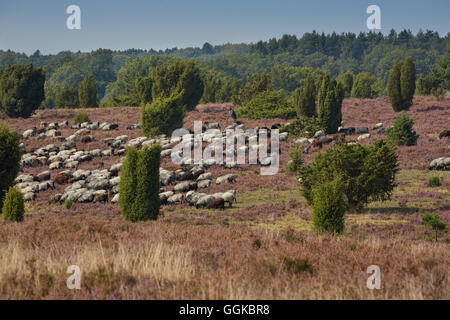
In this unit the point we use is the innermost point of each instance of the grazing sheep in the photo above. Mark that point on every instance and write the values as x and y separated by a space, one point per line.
176 199
218 203
204 201
192 197
205 176
182 187
164 196
229 196
203 184
189 196
230 178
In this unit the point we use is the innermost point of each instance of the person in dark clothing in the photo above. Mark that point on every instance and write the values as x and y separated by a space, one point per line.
233 114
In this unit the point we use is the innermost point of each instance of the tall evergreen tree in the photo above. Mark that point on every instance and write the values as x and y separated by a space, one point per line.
408 82
139 184
402 84
305 100
329 104
394 87
87 93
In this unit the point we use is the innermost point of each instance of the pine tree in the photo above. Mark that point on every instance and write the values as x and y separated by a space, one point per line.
139 184
305 100
408 82
394 87
87 93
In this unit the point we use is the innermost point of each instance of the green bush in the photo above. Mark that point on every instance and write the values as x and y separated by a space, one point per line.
328 207
434 182
13 206
434 222
268 104
68 204
10 155
87 93
21 89
401 132
81 117
302 127
162 116
139 184
367 173
296 160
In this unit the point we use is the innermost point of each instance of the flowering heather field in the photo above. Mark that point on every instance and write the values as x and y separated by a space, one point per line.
261 248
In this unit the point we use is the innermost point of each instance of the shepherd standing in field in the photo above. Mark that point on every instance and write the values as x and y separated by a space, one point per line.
233 114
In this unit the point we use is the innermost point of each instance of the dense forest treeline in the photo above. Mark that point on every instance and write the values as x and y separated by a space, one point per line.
287 61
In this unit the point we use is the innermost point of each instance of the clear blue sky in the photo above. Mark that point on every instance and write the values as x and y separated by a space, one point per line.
41 24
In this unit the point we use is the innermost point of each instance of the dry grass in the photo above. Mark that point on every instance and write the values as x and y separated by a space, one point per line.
167 260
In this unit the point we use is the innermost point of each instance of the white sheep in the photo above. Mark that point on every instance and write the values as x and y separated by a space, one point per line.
226 178
164 196
229 196
176 199
192 197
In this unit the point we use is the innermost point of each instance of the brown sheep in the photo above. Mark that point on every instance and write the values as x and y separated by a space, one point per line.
217 203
